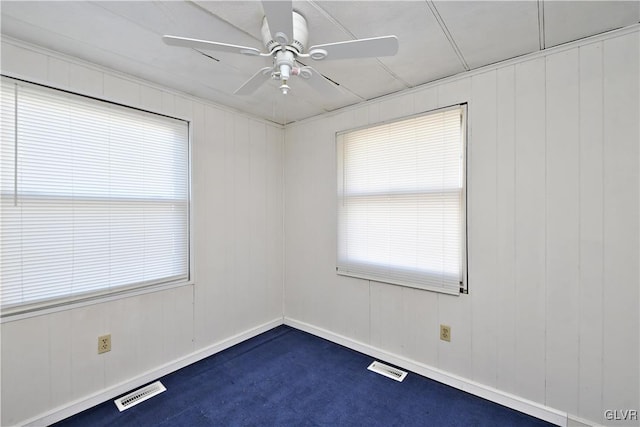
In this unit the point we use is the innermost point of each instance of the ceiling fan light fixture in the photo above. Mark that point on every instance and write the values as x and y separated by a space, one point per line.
305 72
318 54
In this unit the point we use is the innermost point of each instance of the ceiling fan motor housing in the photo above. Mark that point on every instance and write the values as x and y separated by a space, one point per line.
300 35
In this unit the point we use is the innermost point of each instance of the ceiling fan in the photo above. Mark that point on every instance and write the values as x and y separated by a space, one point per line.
285 34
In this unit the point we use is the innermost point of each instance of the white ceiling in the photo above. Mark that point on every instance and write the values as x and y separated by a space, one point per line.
437 39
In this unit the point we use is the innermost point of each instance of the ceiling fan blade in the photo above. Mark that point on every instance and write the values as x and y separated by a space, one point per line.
254 82
280 19
317 81
208 45
360 48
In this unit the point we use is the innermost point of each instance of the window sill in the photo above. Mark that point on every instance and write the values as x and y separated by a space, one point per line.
18 313
446 291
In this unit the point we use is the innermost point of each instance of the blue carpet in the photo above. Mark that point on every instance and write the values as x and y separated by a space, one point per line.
286 377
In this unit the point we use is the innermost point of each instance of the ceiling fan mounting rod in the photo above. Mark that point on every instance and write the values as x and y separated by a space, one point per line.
297 41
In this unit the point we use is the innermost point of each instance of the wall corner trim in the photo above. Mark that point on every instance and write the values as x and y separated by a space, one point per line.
494 395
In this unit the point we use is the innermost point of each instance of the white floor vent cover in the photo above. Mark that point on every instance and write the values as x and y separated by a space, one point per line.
140 395
387 371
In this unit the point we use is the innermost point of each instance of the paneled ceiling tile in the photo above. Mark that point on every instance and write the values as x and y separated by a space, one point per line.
491 31
365 78
154 16
269 103
244 15
424 54
191 20
81 21
132 49
565 21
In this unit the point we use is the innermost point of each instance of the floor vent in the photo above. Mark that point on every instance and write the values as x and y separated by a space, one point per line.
140 395
387 371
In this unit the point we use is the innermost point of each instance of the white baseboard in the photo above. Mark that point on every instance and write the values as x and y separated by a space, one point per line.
494 395
112 392
506 399
574 421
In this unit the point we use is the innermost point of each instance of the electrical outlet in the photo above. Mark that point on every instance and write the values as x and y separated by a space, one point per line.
104 343
445 333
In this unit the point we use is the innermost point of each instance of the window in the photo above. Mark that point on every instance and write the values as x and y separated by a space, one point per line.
401 202
94 198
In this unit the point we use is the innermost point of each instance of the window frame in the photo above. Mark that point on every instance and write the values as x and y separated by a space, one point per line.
464 226
41 307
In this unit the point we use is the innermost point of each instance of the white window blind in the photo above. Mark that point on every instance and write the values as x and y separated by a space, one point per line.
401 201
94 198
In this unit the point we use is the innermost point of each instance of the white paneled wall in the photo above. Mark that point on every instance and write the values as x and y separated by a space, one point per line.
51 361
620 221
553 205
591 206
